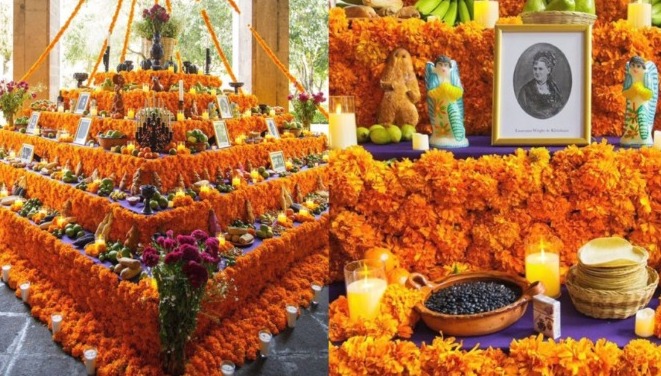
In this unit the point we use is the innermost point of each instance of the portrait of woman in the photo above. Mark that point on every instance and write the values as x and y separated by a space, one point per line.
542 80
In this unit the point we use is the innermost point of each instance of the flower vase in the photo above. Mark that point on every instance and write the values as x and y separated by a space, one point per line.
156 52
306 124
10 119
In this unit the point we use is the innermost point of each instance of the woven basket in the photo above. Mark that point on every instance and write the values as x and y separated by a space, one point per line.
608 304
108 143
558 17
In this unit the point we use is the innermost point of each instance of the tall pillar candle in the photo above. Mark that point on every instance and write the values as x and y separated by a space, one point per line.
657 140
420 141
486 13
342 122
639 13
5 273
544 266
181 90
366 284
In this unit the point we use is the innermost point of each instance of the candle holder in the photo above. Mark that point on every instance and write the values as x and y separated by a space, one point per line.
236 86
645 322
542 264
342 122
265 340
365 284
80 77
146 192
227 368
5 273
639 13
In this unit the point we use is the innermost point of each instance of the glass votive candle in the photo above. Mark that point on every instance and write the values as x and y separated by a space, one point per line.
645 322
485 13
543 264
227 368
5 273
317 293
265 340
89 359
342 122
145 88
292 315
56 322
180 116
639 13
25 291
366 283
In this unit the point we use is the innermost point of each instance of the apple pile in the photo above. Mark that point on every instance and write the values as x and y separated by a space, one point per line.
382 135
585 6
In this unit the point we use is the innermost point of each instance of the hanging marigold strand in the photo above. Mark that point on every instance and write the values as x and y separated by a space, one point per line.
168 6
52 43
233 5
179 61
228 66
281 66
105 44
128 32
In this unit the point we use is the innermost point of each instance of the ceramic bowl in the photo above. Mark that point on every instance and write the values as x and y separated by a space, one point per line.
480 323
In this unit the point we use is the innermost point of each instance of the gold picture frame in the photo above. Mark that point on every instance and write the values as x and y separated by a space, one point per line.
542 85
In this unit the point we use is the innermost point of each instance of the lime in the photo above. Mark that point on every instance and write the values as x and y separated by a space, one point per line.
407 132
163 202
126 252
77 228
112 256
362 134
376 126
70 232
153 204
380 136
80 234
395 133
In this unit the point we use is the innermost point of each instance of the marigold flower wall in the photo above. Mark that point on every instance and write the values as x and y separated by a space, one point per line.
481 211
358 50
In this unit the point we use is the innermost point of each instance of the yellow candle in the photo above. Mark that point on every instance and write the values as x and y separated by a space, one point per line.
205 115
645 322
364 297
180 116
94 111
60 221
282 218
544 267
254 174
236 182
181 147
342 127
221 240
213 92
304 212
289 165
309 204
639 14
171 68
486 13
192 90
179 193
131 113
4 192
324 157
205 189
145 88
130 147
100 241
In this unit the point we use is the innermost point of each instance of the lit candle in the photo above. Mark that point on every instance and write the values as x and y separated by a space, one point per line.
100 241
486 13
130 146
236 182
342 123
265 340
282 218
171 69
324 157
420 141
60 221
304 212
37 131
5 273
89 358
145 88
254 175
56 321
181 90
12 154
639 13
292 314
657 140
272 112
192 90
18 203
180 116
97 89
4 192
545 267
205 115
213 92
289 165
205 188
181 147
364 297
131 113
221 240
94 111
645 322
309 203
60 108
25 291
317 293
179 193
227 368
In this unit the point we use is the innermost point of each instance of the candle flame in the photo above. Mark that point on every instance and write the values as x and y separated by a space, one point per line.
338 109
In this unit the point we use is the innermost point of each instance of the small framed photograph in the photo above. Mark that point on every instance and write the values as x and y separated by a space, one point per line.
225 109
272 127
83 130
27 153
542 85
82 102
278 161
222 137
33 123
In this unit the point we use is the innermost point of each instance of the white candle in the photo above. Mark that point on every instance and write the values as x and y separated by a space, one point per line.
544 267
5 273
292 314
94 111
420 141
56 321
639 14
342 129
227 368
89 358
145 88
265 340
364 297
60 108
486 13
25 291
317 293
657 139
181 90
645 322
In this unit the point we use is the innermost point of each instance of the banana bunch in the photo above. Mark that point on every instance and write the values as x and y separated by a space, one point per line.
449 11
656 13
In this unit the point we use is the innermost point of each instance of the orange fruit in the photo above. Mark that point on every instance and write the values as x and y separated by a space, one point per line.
384 255
398 276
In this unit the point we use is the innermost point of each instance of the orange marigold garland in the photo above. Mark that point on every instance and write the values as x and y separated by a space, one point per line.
168 6
53 42
105 43
216 43
128 32
233 5
179 60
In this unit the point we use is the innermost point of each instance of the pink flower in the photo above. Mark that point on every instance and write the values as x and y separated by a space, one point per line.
150 256
190 253
212 245
196 273
209 259
173 257
199 235
186 239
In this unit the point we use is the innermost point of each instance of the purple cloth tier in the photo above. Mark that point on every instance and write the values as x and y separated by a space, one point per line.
479 146
573 324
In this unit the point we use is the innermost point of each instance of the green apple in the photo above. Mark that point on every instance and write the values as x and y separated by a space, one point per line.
586 6
563 5
362 134
534 6
376 126
380 136
395 133
407 132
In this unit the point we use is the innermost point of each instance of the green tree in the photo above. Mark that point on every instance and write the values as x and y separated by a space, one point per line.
6 35
308 43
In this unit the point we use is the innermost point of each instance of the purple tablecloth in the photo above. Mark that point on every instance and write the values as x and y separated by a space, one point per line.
573 324
479 146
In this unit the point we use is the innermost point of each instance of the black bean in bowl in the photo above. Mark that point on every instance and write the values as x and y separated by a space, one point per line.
469 298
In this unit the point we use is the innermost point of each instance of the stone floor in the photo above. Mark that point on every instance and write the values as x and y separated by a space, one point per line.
26 347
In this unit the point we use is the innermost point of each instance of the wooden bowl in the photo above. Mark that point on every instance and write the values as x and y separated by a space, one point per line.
108 143
480 323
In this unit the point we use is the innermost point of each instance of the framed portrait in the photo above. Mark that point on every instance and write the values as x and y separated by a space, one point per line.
278 161
272 127
542 85
27 153
222 137
33 123
82 102
225 109
83 130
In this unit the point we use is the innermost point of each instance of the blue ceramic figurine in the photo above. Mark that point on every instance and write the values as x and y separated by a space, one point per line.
641 89
445 103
